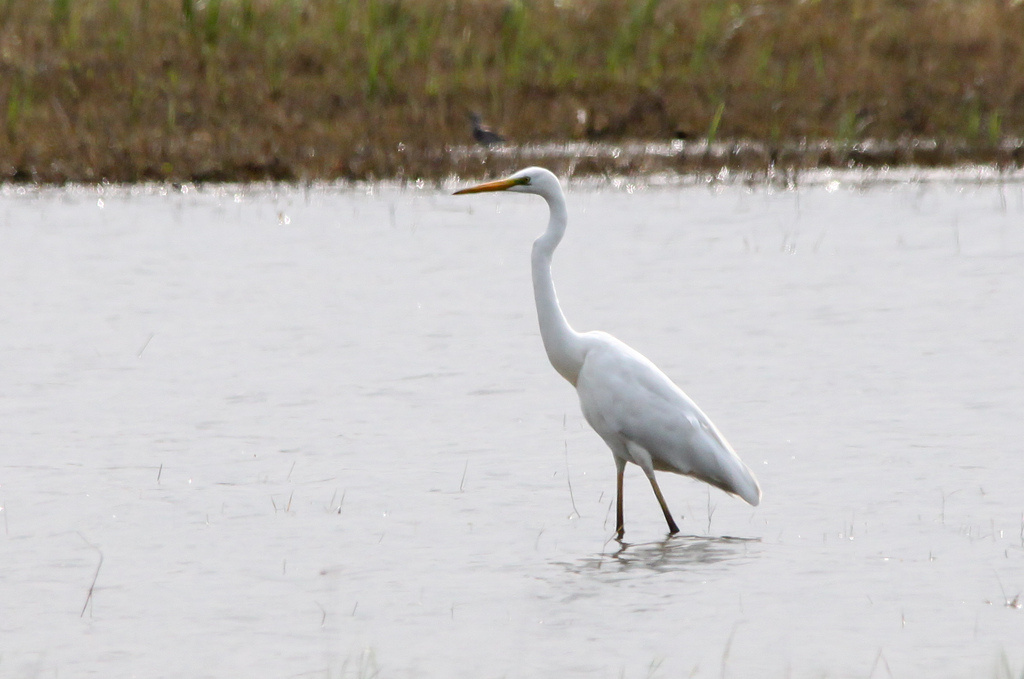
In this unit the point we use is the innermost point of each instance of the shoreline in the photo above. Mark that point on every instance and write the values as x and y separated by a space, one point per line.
501 162
753 161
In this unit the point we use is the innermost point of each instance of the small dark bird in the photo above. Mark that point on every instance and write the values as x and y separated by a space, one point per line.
485 136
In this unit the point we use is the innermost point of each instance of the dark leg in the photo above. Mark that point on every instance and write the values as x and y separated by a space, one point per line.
672 528
620 524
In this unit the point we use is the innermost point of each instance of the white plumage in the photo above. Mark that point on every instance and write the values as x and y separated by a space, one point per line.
638 411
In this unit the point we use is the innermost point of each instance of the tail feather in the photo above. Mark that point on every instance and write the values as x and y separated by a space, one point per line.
738 481
732 475
747 488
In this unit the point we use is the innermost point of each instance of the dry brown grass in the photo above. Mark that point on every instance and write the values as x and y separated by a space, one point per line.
292 89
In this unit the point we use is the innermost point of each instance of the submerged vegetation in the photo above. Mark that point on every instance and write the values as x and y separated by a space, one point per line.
134 90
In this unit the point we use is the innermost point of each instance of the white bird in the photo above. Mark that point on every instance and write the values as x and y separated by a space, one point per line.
638 411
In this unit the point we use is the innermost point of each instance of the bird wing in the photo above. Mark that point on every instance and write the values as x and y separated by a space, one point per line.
623 394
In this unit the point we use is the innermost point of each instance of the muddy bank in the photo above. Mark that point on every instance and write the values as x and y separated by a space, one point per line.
751 159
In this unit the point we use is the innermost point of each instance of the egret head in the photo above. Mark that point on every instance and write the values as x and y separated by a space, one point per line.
534 180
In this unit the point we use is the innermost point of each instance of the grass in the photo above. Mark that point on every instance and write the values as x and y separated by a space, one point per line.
316 89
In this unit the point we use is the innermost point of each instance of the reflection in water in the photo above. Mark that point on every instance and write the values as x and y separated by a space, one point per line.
671 554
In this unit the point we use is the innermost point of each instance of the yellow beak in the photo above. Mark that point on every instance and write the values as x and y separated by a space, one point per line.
500 185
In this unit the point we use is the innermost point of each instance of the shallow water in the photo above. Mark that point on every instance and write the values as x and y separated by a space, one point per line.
313 433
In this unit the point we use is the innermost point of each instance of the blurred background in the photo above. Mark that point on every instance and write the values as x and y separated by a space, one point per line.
195 90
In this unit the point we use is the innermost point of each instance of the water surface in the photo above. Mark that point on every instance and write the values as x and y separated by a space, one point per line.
312 432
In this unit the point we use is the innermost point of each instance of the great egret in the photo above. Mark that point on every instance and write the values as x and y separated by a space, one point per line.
638 411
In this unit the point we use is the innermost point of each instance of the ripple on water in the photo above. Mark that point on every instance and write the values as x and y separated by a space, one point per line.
678 553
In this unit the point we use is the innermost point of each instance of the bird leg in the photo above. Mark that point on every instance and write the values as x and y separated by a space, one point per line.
672 528
620 525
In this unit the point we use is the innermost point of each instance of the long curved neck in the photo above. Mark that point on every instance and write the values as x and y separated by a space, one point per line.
563 345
